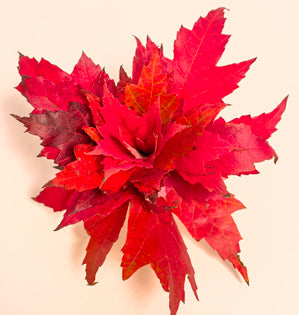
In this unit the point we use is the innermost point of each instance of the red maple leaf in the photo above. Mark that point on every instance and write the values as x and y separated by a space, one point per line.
150 146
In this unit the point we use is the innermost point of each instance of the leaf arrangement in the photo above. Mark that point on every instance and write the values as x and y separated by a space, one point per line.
149 147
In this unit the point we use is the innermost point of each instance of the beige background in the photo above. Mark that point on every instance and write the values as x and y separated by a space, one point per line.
40 271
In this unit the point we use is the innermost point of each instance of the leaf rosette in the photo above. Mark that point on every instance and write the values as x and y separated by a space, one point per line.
150 146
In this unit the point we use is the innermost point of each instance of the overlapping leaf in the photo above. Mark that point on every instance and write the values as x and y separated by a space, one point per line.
197 77
153 238
104 231
61 130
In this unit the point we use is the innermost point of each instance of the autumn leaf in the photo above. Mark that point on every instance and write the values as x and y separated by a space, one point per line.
46 86
150 147
83 174
153 238
104 231
198 79
86 73
212 221
152 83
61 130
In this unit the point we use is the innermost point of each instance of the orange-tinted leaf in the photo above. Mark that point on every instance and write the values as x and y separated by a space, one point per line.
168 105
93 133
143 56
151 84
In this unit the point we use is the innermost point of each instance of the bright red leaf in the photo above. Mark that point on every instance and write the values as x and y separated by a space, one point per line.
263 125
46 86
153 238
83 174
86 73
212 221
152 144
103 230
197 77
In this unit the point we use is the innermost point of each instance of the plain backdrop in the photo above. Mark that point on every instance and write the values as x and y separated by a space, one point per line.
40 270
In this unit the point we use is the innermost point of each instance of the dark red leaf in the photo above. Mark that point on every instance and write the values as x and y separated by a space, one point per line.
61 130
